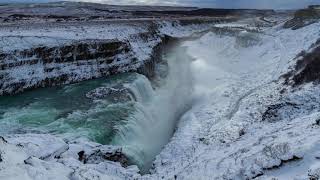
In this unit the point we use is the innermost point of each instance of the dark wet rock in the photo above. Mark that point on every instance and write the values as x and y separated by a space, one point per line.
81 156
103 153
303 18
117 93
150 66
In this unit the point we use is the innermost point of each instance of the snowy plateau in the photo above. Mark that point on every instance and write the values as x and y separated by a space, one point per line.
252 85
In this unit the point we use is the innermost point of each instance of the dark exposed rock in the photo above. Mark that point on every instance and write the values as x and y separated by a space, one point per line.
102 154
148 68
303 18
95 56
242 132
276 112
81 156
68 53
318 122
307 68
284 161
258 175
117 93
205 12
3 140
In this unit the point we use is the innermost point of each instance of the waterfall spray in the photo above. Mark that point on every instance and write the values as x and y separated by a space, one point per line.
151 126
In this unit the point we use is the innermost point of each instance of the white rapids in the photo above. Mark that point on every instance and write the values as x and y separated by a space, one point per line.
157 111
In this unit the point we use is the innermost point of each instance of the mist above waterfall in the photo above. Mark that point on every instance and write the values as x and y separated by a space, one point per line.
153 124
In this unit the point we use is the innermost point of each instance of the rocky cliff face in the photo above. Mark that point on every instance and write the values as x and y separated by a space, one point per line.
306 69
47 66
303 18
44 64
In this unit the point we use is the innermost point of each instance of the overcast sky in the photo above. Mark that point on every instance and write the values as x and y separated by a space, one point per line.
277 4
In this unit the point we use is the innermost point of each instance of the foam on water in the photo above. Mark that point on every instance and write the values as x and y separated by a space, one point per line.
66 111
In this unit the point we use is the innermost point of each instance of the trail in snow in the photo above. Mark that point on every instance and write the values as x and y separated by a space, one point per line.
236 107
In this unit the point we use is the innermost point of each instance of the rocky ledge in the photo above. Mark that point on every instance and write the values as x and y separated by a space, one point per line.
44 157
47 66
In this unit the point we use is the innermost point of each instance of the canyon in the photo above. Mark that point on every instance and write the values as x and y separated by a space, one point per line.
92 91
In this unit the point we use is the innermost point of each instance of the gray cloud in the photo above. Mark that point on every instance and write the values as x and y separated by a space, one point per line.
278 4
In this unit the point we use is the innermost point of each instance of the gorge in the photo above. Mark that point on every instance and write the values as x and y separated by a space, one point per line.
158 94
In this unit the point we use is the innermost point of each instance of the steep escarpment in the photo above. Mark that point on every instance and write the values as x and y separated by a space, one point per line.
304 17
50 60
47 66
307 67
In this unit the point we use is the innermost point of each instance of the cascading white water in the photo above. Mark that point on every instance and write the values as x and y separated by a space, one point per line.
141 89
151 126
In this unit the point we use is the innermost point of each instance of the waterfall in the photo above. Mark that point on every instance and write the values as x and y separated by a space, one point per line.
152 124
140 89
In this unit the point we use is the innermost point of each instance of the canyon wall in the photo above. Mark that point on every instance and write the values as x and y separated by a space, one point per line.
44 64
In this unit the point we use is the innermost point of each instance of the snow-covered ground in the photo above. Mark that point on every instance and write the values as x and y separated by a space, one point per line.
227 134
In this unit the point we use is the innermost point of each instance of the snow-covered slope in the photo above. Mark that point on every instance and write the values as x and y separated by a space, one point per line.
39 157
243 124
